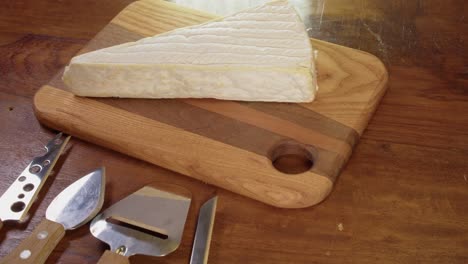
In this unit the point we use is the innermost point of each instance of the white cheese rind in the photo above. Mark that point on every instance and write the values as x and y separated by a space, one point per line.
164 81
262 54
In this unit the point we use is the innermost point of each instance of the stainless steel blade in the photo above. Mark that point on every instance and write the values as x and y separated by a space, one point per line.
163 211
18 198
79 202
202 240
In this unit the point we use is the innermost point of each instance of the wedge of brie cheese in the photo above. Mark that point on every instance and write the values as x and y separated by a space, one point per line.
261 54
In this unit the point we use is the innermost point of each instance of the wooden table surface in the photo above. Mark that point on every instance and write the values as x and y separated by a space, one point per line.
403 197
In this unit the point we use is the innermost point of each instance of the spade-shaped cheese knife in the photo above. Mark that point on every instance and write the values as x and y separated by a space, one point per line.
72 208
18 198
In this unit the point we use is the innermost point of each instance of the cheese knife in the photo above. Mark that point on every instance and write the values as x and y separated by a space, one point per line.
72 208
202 240
18 198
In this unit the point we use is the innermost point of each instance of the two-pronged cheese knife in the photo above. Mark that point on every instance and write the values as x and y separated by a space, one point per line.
18 198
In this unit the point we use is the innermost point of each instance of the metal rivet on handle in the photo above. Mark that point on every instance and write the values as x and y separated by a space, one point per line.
121 250
35 169
41 235
25 254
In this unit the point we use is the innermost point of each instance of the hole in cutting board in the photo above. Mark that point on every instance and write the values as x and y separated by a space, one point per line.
122 222
291 158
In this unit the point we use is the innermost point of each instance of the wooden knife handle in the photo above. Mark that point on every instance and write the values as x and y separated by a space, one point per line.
37 247
110 257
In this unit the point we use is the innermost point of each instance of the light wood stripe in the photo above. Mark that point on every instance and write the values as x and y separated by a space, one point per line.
131 18
351 84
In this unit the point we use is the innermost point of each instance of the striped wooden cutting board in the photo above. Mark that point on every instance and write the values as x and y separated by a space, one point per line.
286 155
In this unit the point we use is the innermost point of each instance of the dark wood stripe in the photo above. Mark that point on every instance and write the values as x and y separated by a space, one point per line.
308 119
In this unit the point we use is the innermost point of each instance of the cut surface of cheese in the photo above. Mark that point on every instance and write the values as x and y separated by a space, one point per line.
261 54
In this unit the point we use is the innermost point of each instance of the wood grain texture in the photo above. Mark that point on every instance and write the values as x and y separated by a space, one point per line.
112 258
400 199
68 18
26 50
207 160
351 84
36 248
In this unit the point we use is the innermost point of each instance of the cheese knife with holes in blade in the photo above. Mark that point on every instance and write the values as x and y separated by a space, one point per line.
18 198
72 208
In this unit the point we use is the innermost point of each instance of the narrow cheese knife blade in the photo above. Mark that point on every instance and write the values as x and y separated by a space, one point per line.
18 198
201 243
73 207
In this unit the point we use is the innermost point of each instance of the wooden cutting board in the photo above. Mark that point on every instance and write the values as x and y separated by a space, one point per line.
286 155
